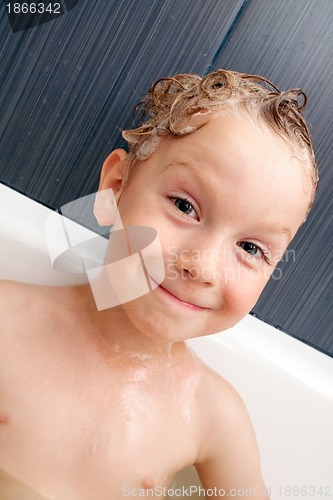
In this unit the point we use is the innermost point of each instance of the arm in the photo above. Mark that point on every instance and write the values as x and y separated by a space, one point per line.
228 459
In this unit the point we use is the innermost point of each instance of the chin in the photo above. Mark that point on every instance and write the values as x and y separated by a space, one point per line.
158 327
161 328
166 322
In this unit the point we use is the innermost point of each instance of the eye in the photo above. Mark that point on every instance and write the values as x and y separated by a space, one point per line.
184 206
250 248
254 250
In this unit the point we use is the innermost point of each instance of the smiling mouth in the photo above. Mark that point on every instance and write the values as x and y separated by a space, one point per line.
173 297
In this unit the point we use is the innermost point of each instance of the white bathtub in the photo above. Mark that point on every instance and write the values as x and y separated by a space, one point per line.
286 385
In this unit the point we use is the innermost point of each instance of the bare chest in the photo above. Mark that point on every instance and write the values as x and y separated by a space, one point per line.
81 431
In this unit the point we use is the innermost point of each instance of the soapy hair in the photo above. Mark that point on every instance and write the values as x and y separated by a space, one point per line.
178 105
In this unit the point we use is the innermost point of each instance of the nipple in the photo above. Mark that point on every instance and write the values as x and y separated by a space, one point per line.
148 482
4 419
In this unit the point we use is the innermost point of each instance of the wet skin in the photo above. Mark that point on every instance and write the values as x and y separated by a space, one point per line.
94 401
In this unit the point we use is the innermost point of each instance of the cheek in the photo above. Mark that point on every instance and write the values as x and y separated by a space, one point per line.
140 214
242 293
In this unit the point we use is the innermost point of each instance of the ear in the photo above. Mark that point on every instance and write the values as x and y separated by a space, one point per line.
113 176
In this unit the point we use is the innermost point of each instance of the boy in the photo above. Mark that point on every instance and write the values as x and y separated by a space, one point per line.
96 404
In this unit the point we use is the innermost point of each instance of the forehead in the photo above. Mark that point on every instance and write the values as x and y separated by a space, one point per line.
234 145
238 157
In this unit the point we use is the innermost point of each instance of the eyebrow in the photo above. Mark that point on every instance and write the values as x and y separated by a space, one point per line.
182 164
199 175
276 228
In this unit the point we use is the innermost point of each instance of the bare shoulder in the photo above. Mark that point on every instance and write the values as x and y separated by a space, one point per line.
18 304
228 454
29 317
218 395
13 295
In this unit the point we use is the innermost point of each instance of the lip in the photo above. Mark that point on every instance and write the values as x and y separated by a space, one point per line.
183 303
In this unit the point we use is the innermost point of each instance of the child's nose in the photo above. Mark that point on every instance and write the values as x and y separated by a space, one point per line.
205 265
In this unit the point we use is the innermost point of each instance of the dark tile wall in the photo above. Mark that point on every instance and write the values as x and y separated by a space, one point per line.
68 85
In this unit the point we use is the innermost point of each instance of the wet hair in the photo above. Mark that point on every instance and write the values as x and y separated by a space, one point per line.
178 105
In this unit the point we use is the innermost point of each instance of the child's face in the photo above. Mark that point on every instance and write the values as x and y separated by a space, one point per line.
226 201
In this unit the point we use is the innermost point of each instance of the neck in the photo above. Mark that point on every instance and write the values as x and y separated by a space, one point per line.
114 328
